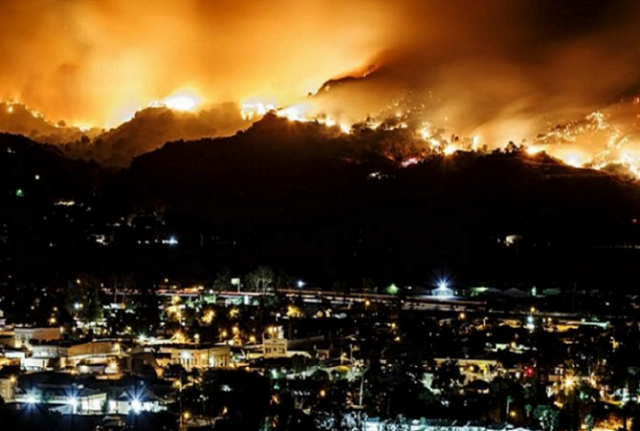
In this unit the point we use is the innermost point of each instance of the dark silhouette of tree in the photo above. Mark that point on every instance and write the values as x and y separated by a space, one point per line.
261 280
83 298
222 281
448 379
147 310
244 396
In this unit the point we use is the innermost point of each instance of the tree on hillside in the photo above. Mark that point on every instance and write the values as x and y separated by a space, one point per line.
83 298
222 281
261 280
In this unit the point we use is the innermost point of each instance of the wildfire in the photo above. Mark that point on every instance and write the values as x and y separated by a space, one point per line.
251 110
183 101
296 113
592 142
449 150
432 140
533 150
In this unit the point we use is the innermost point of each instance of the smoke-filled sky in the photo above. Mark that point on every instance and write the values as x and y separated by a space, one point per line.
97 61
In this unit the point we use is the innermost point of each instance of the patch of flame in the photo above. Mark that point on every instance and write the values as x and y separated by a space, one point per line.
183 101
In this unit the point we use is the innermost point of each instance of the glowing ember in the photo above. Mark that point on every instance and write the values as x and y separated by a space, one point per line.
410 161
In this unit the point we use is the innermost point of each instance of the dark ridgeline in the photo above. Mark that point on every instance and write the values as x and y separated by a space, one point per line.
307 199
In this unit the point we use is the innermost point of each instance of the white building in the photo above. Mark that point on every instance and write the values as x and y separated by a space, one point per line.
95 352
22 336
7 388
274 345
192 356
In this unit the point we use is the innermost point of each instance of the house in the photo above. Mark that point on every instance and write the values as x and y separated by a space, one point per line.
274 345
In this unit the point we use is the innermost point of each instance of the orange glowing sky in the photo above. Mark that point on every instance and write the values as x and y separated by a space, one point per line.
96 62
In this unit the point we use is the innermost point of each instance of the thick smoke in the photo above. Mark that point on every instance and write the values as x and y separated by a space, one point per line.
148 130
97 62
499 70
502 70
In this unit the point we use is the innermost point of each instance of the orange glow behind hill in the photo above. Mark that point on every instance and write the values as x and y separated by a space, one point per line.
456 74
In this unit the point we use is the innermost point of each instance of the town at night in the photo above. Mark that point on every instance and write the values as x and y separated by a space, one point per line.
318 215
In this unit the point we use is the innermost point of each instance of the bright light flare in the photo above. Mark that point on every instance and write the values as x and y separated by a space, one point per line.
295 112
136 406
574 161
569 382
182 102
449 150
533 150
251 110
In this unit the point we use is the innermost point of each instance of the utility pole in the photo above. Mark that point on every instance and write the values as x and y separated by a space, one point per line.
509 399
181 427
364 370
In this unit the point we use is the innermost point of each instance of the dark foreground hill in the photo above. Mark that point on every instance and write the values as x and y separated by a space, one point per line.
299 196
329 207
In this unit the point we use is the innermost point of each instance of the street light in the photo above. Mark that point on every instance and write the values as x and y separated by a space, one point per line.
136 405
569 382
300 284
73 402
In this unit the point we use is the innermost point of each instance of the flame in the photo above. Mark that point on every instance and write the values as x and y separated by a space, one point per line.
295 112
185 102
574 161
449 150
533 150
251 110
594 141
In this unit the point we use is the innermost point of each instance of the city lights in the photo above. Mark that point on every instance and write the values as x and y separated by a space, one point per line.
358 215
